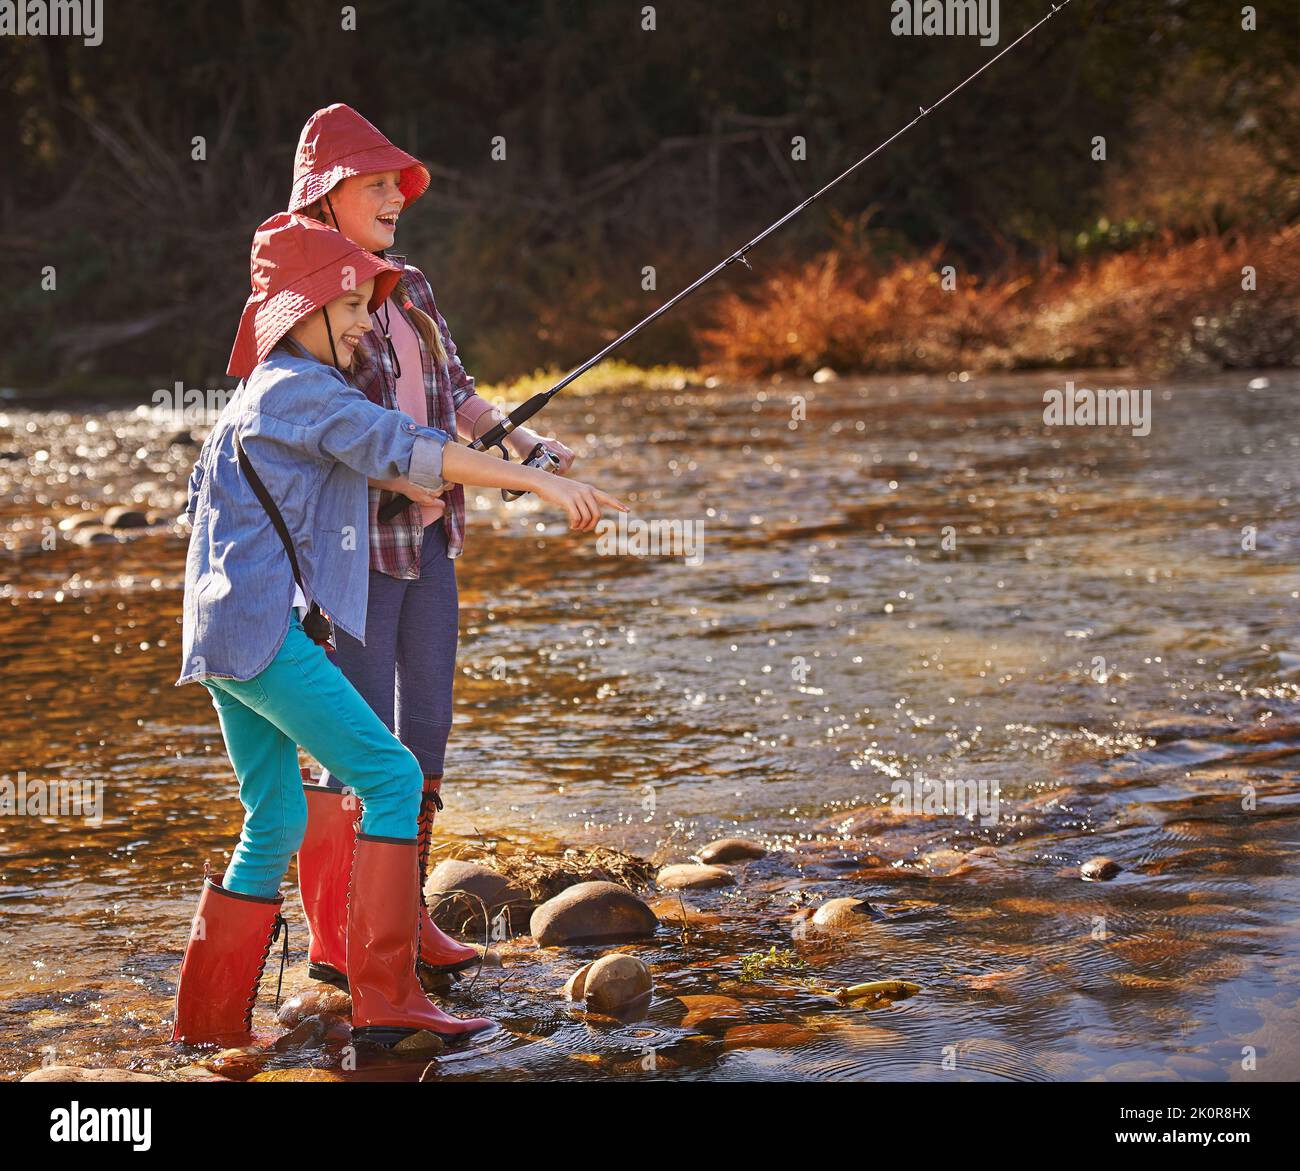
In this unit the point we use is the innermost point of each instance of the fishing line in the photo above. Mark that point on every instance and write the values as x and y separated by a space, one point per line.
521 414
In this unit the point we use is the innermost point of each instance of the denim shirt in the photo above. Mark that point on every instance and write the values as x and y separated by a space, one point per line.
314 439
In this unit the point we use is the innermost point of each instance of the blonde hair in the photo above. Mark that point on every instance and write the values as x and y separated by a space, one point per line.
424 325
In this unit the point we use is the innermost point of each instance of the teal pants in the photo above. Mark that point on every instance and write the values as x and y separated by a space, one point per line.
304 699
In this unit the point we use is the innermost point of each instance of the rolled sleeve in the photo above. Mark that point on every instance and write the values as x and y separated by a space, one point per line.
426 457
373 440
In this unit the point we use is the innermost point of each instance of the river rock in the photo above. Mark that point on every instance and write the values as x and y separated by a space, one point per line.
841 913
314 1032
297 1075
93 535
121 516
70 524
611 984
236 1064
688 876
477 882
76 1073
730 850
592 912
423 1042
705 1011
575 988
313 1001
1099 869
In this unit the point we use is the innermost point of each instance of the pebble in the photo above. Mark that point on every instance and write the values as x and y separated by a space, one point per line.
77 1073
689 876
1099 869
611 984
731 850
843 913
121 516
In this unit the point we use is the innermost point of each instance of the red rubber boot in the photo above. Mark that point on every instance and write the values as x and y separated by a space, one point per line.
388 1003
324 865
438 951
224 960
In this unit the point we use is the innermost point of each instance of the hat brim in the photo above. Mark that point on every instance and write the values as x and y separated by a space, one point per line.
315 185
266 320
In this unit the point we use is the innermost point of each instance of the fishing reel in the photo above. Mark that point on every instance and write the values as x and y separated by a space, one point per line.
540 457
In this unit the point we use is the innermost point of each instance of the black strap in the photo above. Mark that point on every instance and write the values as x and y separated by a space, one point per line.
316 625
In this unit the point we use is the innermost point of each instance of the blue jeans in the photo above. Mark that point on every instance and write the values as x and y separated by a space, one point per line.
406 669
303 699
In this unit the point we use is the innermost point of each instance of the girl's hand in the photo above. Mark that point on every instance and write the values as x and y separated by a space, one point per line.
581 501
523 440
428 500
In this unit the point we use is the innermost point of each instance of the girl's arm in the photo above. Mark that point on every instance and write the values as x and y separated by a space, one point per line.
379 443
582 502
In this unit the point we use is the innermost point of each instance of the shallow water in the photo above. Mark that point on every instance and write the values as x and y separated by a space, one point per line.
1091 642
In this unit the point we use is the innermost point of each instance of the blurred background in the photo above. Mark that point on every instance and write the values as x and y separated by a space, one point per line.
627 148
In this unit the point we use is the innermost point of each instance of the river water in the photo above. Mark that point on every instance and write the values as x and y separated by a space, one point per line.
910 580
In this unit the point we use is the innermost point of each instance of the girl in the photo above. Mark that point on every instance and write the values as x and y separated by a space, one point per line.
347 174
278 508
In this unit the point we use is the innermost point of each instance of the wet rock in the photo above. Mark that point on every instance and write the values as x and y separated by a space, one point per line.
423 1042
671 909
93 535
774 1036
825 374
196 1073
314 1032
612 984
1099 869
458 892
70 524
708 1011
297 1075
592 912
688 876
236 1064
730 850
312 1002
122 516
575 988
843 913
77 1073
942 861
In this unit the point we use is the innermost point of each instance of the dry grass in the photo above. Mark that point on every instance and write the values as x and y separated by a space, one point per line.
1164 306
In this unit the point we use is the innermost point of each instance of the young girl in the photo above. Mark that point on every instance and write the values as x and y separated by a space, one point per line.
278 506
347 174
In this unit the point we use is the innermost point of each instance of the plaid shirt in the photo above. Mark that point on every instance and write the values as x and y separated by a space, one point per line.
395 545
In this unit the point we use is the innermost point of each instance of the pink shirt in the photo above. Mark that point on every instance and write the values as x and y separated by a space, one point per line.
410 383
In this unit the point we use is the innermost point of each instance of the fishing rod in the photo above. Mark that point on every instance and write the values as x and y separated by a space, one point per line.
541 456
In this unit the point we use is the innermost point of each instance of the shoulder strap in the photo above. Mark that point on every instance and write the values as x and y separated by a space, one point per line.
269 505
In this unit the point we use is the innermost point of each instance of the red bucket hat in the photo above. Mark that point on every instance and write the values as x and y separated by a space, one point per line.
336 143
297 265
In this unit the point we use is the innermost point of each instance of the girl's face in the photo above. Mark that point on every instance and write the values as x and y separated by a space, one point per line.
367 207
349 320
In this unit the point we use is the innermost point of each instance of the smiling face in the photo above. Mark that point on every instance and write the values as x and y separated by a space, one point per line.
349 319
367 207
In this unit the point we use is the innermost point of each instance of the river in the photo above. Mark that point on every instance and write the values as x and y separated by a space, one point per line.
898 581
